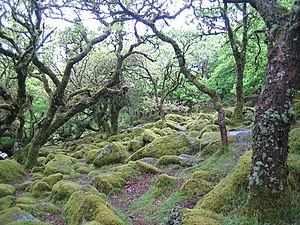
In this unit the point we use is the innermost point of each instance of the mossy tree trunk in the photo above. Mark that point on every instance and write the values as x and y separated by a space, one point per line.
269 193
239 53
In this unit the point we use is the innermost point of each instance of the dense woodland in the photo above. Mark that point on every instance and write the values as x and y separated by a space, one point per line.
192 105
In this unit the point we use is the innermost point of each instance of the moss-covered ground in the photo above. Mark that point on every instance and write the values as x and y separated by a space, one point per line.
168 172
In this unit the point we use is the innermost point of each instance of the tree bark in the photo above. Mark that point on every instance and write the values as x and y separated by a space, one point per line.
269 193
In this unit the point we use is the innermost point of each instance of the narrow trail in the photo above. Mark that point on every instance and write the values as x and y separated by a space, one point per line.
130 194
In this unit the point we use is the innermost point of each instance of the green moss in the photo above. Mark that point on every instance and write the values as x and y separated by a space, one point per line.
82 169
149 135
39 188
6 189
112 153
107 182
210 176
162 184
200 217
174 144
7 202
88 207
294 141
52 179
195 188
15 215
93 223
46 207
79 154
228 188
146 167
92 154
177 118
63 189
23 222
209 128
168 159
10 170
25 200
60 164
135 145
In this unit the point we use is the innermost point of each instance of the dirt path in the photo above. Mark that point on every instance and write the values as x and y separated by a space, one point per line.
130 194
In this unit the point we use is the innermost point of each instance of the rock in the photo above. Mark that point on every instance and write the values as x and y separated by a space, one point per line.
60 164
7 202
52 179
6 189
174 144
168 159
210 176
3 155
195 188
39 188
163 183
135 145
10 170
46 207
17 216
200 217
188 160
112 153
149 135
62 190
83 207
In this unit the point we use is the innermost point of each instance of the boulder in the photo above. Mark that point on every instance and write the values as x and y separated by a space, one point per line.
174 144
6 189
62 190
10 170
60 164
112 153
84 207
16 216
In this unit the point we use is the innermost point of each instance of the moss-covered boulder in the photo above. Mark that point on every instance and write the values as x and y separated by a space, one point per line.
294 140
229 188
45 207
7 202
174 144
92 154
168 159
39 188
210 176
135 145
10 170
60 164
177 118
112 153
149 135
52 179
108 182
62 190
6 189
83 207
161 185
200 217
195 188
15 215
209 128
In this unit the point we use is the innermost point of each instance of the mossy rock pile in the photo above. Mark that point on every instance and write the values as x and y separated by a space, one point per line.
10 170
60 164
149 135
195 188
82 207
174 144
228 188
